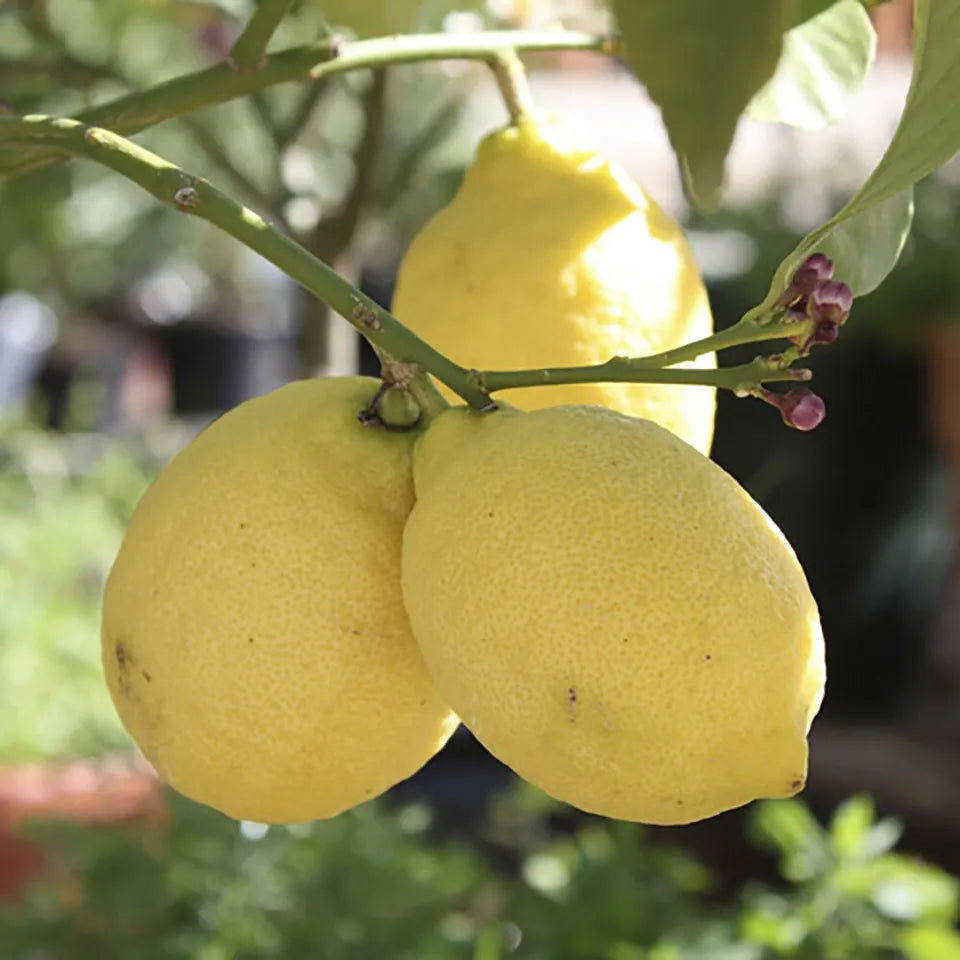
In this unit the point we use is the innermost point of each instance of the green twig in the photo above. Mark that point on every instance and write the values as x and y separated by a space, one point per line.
220 83
511 77
742 332
208 141
249 52
333 236
405 356
189 194
660 367
636 370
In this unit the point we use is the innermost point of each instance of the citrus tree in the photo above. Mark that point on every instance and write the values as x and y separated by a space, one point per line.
329 578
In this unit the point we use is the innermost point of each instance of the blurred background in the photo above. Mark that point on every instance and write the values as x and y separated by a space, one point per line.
124 328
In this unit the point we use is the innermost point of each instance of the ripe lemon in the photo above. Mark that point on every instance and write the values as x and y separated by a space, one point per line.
610 613
254 638
551 256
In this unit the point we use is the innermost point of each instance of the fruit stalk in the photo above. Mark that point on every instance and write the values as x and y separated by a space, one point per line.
205 88
741 379
249 52
742 332
511 77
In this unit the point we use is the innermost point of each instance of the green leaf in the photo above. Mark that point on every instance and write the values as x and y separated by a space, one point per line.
799 11
823 64
870 230
850 824
904 889
865 247
701 62
930 943
791 829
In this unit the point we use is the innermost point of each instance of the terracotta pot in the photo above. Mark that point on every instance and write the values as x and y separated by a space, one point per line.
115 789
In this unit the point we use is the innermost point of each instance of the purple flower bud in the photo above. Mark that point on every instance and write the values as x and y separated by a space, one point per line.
820 264
832 301
809 276
800 408
826 331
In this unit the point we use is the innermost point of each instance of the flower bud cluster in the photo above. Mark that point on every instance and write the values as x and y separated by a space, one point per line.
814 295
822 304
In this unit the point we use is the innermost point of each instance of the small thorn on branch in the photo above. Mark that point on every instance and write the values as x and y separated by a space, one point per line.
187 198
367 316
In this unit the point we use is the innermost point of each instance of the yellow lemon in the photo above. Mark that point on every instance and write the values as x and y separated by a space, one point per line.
551 256
610 613
254 637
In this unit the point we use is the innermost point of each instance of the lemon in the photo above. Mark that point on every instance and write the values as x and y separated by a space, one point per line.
551 256
254 637
610 613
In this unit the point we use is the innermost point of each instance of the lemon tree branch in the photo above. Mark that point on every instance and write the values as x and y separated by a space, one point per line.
744 378
743 332
137 111
659 367
248 53
406 354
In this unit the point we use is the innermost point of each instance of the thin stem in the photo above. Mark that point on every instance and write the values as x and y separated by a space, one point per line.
220 83
511 77
627 370
189 194
208 141
249 52
431 401
742 332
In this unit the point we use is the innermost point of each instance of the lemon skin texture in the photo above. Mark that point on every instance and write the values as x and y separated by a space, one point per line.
549 255
254 637
610 613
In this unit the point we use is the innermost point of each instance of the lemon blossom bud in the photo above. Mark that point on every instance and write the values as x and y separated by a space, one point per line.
809 276
801 408
831 301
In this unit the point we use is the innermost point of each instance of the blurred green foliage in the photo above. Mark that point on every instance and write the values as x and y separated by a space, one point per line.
380 881
75 233
63 506
377 882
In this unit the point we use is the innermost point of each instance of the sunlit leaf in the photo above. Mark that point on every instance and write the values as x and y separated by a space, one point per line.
824 62
868 233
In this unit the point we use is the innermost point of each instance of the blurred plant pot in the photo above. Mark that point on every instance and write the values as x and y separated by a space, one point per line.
111 790
215 367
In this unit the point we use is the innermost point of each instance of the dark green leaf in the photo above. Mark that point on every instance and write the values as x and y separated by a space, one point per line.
701 62
870 230
800 10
